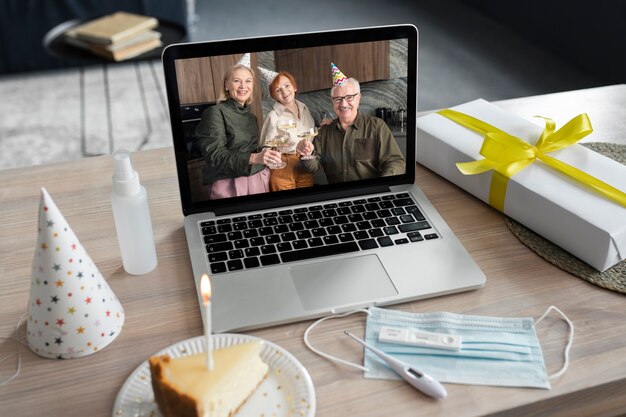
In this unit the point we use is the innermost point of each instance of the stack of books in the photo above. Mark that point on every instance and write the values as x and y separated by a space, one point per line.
118 36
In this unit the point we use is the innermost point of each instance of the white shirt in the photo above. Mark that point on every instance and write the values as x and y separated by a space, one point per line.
279 111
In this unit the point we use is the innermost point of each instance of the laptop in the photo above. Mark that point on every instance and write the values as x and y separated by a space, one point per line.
293 254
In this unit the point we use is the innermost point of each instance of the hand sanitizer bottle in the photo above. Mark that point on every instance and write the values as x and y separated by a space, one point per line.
129 200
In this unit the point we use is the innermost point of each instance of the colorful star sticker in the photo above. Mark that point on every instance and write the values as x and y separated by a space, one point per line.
59 283
56 267
49 223
60 322
44 246
71 310
58 340
54 299
80 330
88 300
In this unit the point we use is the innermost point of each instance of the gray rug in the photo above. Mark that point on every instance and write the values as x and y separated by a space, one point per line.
40 113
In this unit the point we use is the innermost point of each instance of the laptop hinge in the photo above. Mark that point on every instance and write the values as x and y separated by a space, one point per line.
305 199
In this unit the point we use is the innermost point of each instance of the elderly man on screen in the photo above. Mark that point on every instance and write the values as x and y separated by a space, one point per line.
354 146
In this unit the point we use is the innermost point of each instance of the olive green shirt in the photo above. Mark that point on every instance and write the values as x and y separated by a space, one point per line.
228 134
367 149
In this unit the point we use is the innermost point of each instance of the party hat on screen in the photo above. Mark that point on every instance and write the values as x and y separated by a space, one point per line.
267 75
245 60
338 76
72 312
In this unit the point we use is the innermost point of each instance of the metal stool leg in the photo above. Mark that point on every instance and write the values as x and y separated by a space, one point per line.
83 130
107 97
144 103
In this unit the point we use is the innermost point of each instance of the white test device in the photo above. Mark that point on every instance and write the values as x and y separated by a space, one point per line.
414 337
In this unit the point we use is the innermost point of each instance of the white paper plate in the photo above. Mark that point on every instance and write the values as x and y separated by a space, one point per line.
287 390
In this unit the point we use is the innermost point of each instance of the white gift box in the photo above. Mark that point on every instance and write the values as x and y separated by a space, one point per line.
586 224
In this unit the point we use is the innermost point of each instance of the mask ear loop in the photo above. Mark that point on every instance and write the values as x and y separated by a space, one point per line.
570 340
325 355
18 353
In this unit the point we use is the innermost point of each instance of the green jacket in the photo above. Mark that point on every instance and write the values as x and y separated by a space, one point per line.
366 150
228 134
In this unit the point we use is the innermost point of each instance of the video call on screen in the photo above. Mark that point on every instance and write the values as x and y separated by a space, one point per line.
380 68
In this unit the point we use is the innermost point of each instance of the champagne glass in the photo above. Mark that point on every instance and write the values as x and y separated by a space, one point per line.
308 136
277 143
286 124
281 141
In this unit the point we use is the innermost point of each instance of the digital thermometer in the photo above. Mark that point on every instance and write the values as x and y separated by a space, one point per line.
414 377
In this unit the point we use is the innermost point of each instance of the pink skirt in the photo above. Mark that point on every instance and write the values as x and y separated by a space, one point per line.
234 187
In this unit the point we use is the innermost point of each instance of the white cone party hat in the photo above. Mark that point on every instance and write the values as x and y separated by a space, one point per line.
267 75
245 60
72 312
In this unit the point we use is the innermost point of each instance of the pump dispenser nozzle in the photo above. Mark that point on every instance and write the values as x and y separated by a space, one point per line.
125 178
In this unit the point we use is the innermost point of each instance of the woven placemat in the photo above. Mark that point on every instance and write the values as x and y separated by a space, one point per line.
613 278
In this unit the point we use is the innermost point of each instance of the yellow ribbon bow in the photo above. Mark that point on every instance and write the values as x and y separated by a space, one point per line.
506 155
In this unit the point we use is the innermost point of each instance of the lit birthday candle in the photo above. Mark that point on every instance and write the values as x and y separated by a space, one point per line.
205 291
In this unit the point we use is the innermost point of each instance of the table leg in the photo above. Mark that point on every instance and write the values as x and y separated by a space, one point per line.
107 98
109 110
157 83
83 133
144 104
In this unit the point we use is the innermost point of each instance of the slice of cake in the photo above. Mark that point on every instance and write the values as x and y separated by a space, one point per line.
184 387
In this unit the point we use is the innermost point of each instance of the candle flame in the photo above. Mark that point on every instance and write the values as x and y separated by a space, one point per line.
205 288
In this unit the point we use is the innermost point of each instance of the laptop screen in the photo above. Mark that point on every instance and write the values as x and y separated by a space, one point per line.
295 118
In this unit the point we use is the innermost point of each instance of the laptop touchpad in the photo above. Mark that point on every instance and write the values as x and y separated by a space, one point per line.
342 282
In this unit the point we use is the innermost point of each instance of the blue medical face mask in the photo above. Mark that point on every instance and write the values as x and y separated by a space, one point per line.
493 350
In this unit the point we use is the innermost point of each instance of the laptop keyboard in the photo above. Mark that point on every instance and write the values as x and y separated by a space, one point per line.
257 240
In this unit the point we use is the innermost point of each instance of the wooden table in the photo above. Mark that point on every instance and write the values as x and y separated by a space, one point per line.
161 307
